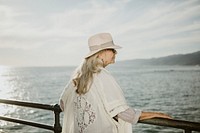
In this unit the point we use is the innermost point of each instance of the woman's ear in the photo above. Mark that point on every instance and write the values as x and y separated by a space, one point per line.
100 55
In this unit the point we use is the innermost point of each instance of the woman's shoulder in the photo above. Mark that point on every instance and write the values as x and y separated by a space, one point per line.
69 85
104 72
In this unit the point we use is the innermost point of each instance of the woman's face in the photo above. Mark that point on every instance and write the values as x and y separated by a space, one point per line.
108 56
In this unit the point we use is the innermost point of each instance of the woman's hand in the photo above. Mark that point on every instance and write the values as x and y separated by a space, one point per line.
149 115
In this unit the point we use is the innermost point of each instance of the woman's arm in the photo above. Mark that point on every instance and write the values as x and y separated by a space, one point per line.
149 115
132 116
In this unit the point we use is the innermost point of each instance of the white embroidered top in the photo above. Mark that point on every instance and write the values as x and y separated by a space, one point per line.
93 112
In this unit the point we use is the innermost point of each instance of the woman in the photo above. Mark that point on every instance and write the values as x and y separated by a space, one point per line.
92 101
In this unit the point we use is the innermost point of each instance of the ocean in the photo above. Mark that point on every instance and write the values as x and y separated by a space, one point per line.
174 90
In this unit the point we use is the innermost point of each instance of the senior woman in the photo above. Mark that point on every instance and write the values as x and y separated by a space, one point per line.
92 101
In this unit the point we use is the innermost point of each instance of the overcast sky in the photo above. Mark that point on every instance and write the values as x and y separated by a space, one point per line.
55 32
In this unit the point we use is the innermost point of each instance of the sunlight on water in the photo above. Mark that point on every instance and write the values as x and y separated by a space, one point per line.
5 93
2 94
4 90
172 90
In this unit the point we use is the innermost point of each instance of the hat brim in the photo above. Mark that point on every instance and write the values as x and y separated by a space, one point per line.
95 51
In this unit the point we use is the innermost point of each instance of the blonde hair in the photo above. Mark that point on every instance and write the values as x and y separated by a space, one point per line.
84 74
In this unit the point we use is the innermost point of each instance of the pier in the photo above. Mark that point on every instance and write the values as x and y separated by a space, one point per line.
186 126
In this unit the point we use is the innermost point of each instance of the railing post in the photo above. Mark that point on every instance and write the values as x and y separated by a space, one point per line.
187 131
57 126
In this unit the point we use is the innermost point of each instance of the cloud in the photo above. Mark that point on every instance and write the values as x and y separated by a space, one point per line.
18 32
139 26
162 16
162 30
14 32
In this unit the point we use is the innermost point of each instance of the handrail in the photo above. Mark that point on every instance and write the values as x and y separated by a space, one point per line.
28 104
55 108
30 123
187 126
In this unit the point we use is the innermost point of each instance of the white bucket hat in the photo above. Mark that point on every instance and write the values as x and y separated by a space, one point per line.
100 42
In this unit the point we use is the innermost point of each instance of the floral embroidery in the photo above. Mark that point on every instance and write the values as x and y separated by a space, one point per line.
84 113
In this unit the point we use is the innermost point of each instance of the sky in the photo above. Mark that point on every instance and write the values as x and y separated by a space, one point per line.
56 32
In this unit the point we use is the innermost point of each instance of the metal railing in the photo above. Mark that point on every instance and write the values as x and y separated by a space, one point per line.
55 108
186 126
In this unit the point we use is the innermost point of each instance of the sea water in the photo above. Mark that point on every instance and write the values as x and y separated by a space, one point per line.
174 90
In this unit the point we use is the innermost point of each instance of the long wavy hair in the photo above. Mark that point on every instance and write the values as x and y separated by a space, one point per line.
83 76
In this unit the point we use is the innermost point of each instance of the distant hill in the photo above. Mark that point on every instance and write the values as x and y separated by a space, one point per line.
179 59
